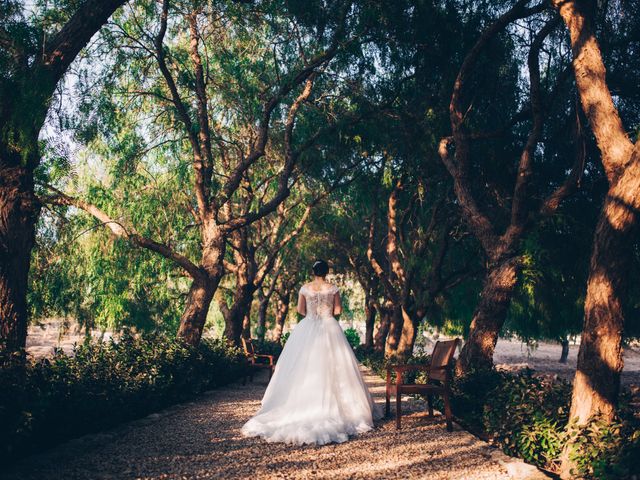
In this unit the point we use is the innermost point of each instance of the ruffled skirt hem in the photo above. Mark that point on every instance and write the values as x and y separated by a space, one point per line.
318 433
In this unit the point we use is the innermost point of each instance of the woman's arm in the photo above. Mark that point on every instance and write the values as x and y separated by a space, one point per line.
302 304
337 304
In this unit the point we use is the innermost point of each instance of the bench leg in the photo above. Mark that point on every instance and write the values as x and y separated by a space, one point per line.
398 410
447 411
430 403
387 408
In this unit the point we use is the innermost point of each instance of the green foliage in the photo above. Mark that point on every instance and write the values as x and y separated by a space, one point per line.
605 450
353 337
102 384
526 416
267 347
523 414
284 338
371 359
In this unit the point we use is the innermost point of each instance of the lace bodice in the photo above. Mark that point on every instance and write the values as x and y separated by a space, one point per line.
319 303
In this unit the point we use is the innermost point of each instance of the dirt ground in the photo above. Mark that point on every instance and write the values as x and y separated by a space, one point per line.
514 355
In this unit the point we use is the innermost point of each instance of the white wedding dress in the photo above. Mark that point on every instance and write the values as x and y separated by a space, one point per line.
317 394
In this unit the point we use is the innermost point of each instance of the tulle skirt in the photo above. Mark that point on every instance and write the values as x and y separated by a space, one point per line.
317 394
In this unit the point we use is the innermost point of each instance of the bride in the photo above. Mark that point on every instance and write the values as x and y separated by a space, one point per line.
316 395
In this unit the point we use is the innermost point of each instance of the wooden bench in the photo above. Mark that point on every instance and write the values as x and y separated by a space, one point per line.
438 381
257 361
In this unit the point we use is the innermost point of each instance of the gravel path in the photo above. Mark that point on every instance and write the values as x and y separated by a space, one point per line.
202 439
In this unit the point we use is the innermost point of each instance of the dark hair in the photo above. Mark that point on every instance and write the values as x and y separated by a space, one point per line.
320 268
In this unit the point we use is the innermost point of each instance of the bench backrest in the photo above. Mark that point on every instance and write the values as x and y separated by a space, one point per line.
248 347
442 356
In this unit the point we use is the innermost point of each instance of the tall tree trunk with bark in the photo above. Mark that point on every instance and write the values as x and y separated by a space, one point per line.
18 215
203 288
263 307
282 310
370 320
407 336
246 323
196 308
489 316
564 355
410 324
501 249
235 316
597 382
380 337
396 320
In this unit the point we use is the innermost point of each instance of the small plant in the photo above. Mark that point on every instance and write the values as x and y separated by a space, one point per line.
353 337
526 416
605 450
284 338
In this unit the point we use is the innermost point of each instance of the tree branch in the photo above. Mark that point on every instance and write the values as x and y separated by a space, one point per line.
183 114
520 203
119 230
63 48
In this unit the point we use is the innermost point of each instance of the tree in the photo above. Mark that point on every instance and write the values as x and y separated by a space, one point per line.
257 250
501 249
35 59
597 381
224 154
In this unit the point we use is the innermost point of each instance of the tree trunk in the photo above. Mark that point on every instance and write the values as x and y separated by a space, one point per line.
236 323
597 381
380 338
262 316
282 310
196 309
408 336
18 216
246 322
395 332
370 319
596 385
203 287
21 119
564 356
489 316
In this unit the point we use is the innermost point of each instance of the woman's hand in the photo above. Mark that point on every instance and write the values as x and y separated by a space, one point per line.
337 305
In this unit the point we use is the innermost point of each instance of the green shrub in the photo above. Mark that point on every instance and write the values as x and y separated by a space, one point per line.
605 450
371 359
353 337
267 347
101 384
526 416
284 338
